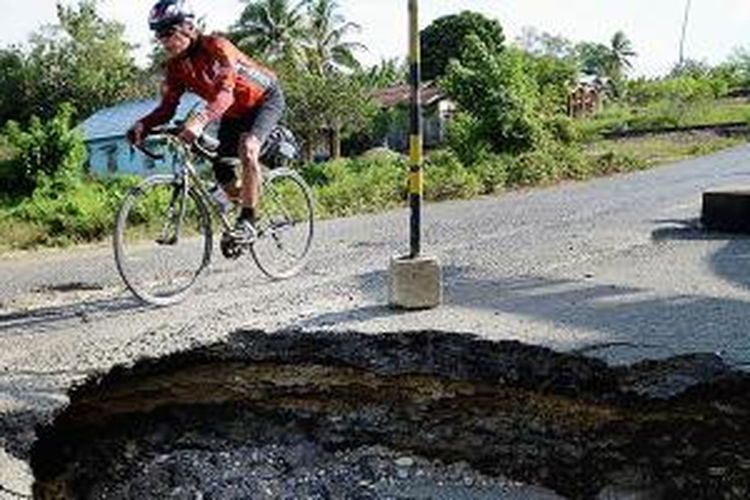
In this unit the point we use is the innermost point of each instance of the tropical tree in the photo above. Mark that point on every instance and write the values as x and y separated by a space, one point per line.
329 106
621 51
272 30
388 73
499 91
609 62
544 44
445 38
84 60
14 86
328 49
594 58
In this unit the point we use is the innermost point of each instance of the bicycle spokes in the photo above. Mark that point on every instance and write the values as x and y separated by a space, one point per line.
163 240
174 217
286 225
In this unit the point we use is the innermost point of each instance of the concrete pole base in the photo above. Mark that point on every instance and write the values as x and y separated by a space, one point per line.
727 209
414 283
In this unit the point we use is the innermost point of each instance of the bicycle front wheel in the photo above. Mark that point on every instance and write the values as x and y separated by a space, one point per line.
285 225
162 239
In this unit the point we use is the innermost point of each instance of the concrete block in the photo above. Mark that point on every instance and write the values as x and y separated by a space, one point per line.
415 283
727 209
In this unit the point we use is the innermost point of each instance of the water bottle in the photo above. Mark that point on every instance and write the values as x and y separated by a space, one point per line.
220 198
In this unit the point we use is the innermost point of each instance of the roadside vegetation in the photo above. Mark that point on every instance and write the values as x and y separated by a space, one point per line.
513 127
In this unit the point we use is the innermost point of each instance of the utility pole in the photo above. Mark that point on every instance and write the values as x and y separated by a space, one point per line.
684 32
416 158
415 281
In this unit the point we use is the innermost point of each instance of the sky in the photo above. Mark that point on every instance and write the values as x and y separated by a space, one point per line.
715 29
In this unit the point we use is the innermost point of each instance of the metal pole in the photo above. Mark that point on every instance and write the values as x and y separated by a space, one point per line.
416 174
684 32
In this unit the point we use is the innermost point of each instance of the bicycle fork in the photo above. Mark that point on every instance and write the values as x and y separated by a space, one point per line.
172 228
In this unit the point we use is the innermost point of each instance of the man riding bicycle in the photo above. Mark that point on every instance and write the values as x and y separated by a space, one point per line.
242 94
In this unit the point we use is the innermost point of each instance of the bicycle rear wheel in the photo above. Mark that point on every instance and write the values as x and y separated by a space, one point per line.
162 240
285 226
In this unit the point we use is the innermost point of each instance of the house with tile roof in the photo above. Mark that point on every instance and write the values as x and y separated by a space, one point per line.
437 112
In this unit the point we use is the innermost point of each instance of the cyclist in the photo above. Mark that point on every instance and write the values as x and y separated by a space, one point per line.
242 94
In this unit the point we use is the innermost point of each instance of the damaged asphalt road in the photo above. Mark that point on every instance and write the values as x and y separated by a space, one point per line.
615 269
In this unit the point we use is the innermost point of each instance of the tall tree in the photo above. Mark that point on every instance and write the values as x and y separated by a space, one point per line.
327 106
83 60
445 38
609 62
328 49
499 90
388 73
594 58
621 51
545 44
272 30
14 86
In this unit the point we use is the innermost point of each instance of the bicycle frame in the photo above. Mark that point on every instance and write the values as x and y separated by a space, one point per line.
185 171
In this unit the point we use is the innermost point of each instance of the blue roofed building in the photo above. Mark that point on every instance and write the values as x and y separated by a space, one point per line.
109 151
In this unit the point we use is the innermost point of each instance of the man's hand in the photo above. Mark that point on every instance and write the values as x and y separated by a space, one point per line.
135 134
192 129
249 149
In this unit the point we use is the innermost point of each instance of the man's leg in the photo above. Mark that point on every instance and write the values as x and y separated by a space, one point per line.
251 177
263 122
224 166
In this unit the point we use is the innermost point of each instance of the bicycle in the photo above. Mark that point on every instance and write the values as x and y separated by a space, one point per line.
163 238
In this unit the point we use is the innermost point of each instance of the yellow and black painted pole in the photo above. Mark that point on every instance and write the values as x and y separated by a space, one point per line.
415 282
416 159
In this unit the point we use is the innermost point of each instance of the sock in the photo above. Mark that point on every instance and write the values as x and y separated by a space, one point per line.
247 213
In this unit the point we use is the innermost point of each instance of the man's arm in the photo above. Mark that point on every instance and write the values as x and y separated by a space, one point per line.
224 82
173 89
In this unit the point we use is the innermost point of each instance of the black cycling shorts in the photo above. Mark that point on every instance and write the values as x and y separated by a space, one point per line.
259 121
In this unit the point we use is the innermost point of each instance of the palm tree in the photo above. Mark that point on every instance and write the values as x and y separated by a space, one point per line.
621 50
327 48
272 30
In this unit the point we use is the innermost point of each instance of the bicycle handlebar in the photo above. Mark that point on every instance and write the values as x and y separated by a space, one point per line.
203 144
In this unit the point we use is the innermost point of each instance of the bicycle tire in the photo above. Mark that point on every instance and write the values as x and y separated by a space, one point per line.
161 270
286 218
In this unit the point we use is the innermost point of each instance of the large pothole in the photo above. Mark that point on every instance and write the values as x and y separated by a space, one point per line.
420 415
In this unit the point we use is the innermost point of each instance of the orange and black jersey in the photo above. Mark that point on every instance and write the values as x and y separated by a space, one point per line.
230 82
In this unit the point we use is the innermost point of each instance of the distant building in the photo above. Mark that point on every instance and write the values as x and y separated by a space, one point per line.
437 111
105 136
587 97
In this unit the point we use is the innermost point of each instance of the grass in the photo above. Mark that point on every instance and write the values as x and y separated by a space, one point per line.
723 111
655 150
666 114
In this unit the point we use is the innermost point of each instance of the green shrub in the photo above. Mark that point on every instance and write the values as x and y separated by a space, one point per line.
464 137
62 211
365 184
563 129
492 171
613 162
43 149
446 178
571 161
68 212
533 168
499 90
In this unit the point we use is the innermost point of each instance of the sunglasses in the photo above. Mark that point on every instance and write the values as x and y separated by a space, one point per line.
166 33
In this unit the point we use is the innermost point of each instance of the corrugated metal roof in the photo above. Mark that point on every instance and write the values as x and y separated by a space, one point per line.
115 121
401 94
